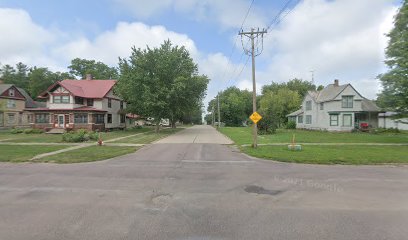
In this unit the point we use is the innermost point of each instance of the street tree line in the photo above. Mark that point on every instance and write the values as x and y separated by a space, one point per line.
276 101
161 82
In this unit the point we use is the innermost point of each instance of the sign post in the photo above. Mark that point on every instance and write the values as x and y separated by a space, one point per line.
255 117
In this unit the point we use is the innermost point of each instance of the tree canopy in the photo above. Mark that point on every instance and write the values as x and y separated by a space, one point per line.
99 70
395 82
235 105
161 82
298 85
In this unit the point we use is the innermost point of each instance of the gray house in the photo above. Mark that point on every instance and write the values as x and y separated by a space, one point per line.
335 108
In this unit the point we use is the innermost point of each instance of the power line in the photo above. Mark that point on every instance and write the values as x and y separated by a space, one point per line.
235 42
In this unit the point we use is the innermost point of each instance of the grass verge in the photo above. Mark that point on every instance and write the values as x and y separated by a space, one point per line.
89 154
11 153
339 154
243 135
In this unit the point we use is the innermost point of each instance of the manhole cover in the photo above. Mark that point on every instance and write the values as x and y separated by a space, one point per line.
261 190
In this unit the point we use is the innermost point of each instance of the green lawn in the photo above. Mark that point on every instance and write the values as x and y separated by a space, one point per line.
324 154
149 136
89 154
57 138
243 135
10 153
333 154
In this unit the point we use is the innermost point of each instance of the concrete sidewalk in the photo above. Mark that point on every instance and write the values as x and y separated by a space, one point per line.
197 134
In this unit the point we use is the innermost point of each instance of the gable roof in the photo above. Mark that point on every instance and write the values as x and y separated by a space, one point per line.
84 88
369 106
29 102
329 93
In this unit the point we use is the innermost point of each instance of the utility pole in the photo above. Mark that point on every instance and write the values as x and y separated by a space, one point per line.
219 114
213 115
253 52
312 71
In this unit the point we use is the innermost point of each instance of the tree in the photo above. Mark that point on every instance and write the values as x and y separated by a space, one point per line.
235 105
274 106
395 82
17 76
99 70
161 82
298 85
39 79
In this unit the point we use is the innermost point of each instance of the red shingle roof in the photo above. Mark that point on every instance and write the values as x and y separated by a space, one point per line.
88 88
85 88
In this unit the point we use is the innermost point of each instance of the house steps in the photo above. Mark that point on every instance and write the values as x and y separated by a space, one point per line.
56 131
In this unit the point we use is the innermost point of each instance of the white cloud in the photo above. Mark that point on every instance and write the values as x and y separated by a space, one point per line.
336 39
22 39
110 45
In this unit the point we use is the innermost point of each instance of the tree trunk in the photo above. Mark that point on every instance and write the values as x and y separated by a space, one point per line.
173 124
157 129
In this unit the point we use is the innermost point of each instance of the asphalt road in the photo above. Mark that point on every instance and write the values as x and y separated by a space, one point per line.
201 191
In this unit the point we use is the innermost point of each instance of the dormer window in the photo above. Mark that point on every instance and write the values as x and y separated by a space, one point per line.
11 92
347 102
61 99
89 102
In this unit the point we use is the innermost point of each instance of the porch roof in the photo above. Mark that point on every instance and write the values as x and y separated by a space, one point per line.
295 113
80 109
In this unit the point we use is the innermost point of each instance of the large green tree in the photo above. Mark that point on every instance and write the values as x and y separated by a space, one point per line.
275 105
298 85
99 70
395 82
235 106
39 79
161 82
17 76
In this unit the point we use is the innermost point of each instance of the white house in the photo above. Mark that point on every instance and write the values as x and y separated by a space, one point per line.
89 104
387 120
335 108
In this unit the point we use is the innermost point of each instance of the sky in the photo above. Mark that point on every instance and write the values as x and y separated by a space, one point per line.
331 39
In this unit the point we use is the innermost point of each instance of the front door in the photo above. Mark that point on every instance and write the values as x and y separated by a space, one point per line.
61 121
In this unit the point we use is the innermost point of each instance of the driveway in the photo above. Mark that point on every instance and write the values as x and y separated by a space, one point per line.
195 190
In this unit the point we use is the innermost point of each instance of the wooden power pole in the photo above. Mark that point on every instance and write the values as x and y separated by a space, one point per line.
219 112
254 51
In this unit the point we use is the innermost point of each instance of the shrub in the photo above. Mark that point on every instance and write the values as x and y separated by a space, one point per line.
80 135
291 125
16 130
384 130
33 131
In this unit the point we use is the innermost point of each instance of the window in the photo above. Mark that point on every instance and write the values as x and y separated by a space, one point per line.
11 103
334 120
308 119
89 102
81 118
300 119
11 92
79 100
109 118
11 118
321 106
308 105
347 102
61 99
99 118
347 120
122 118
42 118
121 104
109 103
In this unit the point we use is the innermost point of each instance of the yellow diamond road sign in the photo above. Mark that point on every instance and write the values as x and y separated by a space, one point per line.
255 117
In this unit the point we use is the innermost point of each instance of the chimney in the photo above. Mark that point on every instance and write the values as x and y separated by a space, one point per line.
88 76
336 82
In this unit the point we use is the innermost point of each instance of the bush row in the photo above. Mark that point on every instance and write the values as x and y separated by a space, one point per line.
80 135
27 131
